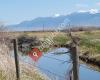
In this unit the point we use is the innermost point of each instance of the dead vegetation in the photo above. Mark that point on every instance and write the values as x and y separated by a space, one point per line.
7 63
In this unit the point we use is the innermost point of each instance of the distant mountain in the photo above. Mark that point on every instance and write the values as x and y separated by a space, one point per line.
78 18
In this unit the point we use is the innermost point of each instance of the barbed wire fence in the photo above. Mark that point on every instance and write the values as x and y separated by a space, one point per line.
7 65
52 75
8 68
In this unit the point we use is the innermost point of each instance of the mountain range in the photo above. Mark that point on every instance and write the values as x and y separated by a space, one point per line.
76 19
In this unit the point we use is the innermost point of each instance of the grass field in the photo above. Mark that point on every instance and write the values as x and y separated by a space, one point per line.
89 40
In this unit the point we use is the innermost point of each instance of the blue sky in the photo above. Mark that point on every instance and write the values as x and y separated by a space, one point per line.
15 11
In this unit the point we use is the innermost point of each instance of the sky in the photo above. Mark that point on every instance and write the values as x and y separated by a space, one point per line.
16 11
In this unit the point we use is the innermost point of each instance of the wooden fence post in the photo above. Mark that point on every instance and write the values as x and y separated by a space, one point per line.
75 59
16 59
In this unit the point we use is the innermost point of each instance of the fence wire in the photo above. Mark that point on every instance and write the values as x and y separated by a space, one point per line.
51 74
27 71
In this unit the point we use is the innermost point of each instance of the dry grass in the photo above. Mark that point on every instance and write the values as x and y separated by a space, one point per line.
7 63
7 68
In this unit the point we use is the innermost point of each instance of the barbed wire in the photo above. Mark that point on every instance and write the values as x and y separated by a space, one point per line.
68 61
57 53
88 67
57 60
34 65
47 69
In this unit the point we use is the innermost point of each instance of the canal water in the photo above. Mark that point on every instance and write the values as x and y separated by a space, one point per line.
57 66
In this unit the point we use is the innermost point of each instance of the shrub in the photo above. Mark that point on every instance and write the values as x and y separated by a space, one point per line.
26 43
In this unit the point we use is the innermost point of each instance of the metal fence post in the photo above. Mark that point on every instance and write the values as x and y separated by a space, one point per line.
75 58
16 59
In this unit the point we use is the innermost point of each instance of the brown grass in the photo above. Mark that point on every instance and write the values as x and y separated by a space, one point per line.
7 68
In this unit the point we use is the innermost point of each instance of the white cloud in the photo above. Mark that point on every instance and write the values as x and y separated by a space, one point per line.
57 15
82 11
93 11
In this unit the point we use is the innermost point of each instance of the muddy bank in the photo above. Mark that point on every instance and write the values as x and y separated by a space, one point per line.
90 60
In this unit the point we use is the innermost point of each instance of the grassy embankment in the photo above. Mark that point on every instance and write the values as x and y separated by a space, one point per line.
89 40
7 66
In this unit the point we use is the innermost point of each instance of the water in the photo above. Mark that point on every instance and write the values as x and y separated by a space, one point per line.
89 74
56 67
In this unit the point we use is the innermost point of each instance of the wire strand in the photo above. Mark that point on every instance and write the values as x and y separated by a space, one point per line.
88 67
44 69
57 59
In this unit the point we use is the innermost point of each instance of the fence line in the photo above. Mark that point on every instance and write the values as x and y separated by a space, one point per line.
50 71
46 70
34 65
87 67
75 57
57 59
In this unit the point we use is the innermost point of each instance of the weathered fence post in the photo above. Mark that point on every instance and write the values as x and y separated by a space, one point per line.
16 59
75 58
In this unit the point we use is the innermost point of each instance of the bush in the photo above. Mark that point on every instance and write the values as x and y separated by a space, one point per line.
26 43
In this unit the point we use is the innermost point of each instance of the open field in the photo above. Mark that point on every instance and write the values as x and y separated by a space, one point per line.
41 34
89 40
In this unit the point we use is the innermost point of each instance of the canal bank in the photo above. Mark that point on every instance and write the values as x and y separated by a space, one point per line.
88 60
8 71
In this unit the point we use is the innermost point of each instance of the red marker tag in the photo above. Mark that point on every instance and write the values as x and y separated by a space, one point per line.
35 54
